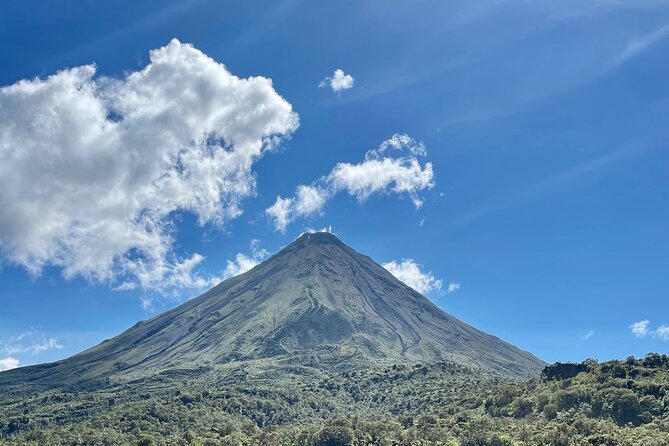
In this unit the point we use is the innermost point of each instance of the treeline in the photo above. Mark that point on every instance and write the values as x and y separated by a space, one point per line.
590 403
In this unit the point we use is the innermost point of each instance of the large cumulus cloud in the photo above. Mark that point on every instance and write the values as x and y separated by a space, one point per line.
93 169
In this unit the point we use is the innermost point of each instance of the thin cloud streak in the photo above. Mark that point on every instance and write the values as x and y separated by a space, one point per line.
158 16
588 335
641 44
549 186
404 80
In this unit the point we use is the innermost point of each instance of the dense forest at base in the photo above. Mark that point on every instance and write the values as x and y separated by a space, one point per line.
611 403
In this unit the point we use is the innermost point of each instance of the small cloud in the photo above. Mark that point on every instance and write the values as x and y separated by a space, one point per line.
662 332
453 287
588 335
338 81
409 272
244 262
281 212
47 344
640 329
147 303
28 342
8 364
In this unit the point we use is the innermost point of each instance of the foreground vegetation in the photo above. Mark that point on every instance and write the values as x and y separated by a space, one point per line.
611 403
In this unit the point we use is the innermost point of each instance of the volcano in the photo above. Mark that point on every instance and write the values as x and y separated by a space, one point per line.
317 302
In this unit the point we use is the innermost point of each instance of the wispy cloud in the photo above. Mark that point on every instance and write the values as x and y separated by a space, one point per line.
640 44
588 334
640 329
550 185
453 287
389 82
30 341
662 332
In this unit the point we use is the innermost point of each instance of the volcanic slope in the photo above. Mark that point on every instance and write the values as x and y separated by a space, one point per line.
317 303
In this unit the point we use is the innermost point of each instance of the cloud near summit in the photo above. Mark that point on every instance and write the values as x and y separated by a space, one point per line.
93 168
409 272
381 172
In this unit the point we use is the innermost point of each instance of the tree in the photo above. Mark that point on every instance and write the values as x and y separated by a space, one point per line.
334 436
146 440
550 411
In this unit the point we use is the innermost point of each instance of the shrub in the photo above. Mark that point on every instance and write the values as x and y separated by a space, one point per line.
550 411
522 407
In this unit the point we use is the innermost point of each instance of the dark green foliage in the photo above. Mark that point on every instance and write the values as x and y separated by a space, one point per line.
334 436
550 411
146 440
563 370
442 403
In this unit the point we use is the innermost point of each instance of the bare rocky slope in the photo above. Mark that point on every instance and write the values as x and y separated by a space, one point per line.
317 303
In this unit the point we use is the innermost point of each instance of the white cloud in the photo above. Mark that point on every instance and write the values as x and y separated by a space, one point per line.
380 172
309 199
453 287
28 342
241 264
640 329
93 169
8 364
404 175
409 272
338 81
399 141
244 262
588 335
641 44
281 212
662 332
147 303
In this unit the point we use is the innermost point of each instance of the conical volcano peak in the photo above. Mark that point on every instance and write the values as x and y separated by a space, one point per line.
315 240
317 302
318 238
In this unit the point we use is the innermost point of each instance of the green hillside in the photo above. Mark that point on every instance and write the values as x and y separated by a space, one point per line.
612 403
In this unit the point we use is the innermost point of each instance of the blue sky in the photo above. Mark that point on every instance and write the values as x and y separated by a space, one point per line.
543 192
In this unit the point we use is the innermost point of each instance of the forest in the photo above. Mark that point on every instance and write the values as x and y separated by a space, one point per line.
622 402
